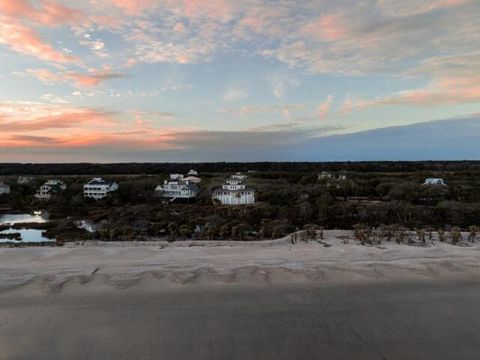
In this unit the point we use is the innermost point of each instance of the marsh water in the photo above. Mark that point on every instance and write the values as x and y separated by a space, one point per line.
27 235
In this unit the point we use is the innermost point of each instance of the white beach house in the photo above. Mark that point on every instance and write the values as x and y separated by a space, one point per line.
434 182
4 188
50 188
97 188
177 189
234 192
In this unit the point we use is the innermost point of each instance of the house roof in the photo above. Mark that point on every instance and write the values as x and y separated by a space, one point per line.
98 181
55 188
192 178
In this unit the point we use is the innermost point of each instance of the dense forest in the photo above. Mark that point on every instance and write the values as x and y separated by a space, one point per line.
289 197
219 167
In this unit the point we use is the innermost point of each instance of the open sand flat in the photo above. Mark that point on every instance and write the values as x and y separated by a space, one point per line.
164 265
225 300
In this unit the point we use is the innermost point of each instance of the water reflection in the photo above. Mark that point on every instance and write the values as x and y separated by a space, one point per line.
27 235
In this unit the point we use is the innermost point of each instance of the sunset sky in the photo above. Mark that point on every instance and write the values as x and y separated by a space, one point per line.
212 80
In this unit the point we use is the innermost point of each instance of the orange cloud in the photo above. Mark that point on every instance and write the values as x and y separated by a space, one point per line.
46 126
25 41
133 7
28 117
81 80
446 91
53 14
326 28
50 13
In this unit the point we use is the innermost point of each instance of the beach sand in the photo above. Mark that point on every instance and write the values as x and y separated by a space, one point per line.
228 300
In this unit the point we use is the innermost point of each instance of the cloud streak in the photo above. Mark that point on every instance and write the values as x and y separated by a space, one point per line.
93 78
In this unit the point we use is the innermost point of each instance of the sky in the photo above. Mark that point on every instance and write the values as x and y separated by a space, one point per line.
229 80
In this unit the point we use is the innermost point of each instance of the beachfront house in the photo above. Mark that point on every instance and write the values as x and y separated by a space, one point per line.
98 188
234 192
325 175
50 188
177 189
434 182
4 188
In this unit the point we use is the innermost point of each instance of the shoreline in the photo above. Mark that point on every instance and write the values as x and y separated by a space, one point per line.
163 265
361 321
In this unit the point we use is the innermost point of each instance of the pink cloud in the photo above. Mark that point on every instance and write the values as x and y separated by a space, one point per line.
222 10
326 28
50 13
47 119
24 40
17 7
45 75
53 14
44 126
445 91
179 28
324 108
133 7
91 79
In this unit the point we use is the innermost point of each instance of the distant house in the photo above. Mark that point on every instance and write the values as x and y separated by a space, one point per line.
178 189
192 172
435 182
238 176
234 192
97 188
193 179
176 176
4 188
50 188
23 180
325 175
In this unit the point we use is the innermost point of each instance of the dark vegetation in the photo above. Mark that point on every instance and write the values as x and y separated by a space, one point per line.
290 196
301 167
